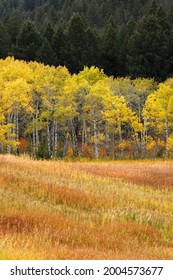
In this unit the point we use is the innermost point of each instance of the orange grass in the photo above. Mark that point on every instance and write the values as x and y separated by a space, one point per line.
157 174
61 210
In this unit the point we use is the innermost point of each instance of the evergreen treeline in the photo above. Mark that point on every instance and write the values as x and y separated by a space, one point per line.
126 38
47 112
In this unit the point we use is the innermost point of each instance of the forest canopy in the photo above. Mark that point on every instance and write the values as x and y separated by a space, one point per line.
88 79
125 38
48 113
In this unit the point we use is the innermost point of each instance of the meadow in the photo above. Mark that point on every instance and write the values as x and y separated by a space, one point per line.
85 210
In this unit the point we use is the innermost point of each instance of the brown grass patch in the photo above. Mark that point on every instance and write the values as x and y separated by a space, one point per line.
157 174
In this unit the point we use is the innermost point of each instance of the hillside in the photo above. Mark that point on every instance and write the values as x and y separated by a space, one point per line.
97 11
86 129
125 38
61 210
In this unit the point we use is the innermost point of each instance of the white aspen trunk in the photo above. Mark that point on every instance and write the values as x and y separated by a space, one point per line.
139 111
36 128
107 140
33 137
84 136
56 137
14 125
8 134
17 126
85 131
120 139
52 137
166 138
143 142
96 147
17 131
48 139
1 142
74 139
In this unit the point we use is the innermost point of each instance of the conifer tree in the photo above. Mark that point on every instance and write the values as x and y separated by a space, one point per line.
110 50
58 45
76 44
4 41
45 54
28 42
148 49
48 33
13 25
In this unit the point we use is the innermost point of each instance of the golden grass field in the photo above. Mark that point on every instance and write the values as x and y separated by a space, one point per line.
88 210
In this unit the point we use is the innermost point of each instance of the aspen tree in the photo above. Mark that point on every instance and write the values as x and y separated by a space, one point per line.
91 91
158 111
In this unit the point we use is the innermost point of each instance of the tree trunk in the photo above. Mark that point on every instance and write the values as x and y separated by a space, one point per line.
84 136
113 146
36 128
56 138
138 146
66 144
120 140
52 135
48 139
9 134
74 139
143 140
166 138
17 131
96 147
107 140
33 137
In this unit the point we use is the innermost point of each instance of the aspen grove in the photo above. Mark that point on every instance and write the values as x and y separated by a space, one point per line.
48 113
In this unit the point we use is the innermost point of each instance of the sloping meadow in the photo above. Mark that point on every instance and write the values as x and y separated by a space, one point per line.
92 210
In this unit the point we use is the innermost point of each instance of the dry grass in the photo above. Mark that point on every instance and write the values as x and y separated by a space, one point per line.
61 210
158 174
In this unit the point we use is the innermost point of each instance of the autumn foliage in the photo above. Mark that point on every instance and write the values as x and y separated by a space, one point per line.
49 113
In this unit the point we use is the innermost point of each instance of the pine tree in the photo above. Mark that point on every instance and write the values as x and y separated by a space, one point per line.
76 44
93 13
148 49
58 45
48 33
13 25
108 8
110 50
152 8
28 42
45 54
29 4
4 41
93 49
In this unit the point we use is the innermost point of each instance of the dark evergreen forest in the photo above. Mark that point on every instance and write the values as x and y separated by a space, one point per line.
126 38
